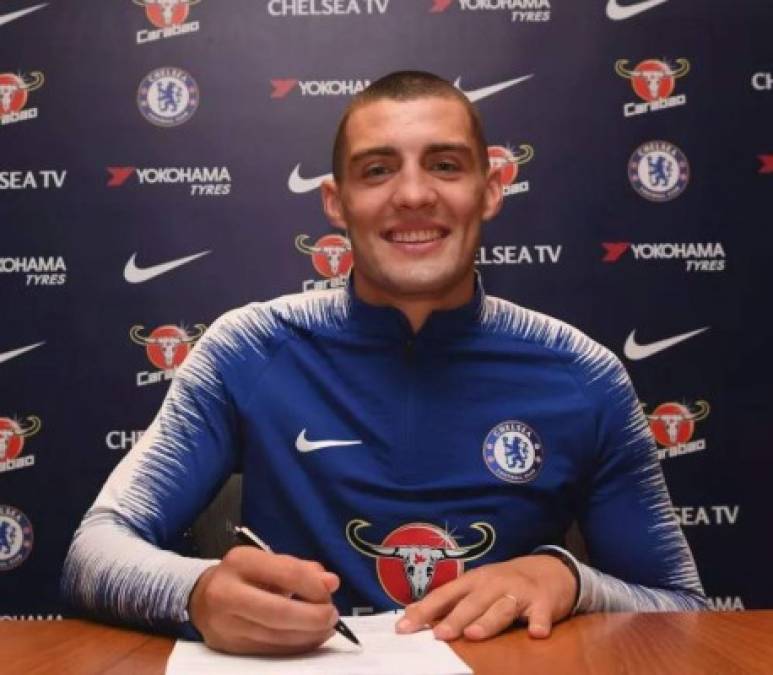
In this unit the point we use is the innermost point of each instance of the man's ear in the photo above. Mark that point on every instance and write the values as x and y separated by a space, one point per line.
493 195
331 204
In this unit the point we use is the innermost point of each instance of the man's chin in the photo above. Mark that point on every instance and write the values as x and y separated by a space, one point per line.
423 286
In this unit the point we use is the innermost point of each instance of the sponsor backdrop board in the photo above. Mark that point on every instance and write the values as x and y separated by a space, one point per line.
160 164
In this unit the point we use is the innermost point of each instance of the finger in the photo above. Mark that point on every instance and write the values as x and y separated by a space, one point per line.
282 573
468 610
434 606
314 564
278 612
237 635
331 581
285 638
540 620
495 619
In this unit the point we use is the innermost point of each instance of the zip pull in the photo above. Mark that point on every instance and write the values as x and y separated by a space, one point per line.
409 347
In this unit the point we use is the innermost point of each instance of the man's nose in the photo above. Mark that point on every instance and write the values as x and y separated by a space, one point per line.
414 189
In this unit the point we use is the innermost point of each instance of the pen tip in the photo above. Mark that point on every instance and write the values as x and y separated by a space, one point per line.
342 628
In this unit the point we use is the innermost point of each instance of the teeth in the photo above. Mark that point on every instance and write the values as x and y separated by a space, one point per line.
416 236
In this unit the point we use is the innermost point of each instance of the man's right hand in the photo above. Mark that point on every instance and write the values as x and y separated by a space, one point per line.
243 605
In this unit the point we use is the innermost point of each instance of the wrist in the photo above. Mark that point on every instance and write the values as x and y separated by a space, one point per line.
569 562
196 598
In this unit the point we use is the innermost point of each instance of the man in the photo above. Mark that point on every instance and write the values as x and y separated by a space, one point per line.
391 432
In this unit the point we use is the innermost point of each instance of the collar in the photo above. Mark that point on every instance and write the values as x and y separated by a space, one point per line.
390 323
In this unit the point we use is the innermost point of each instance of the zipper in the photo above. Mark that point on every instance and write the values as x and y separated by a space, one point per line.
409 407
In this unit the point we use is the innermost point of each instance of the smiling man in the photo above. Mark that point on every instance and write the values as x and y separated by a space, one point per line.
412 187
406 441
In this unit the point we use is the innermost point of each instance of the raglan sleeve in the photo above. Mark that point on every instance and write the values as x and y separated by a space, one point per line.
639 558
118 567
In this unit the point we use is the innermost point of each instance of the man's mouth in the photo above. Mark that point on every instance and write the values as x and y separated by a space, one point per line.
416 236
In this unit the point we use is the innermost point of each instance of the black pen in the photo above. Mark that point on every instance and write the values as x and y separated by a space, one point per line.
247 536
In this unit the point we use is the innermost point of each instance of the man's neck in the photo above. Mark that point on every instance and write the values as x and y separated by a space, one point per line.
417 308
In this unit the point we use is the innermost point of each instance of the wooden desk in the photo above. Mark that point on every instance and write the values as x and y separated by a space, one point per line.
682 644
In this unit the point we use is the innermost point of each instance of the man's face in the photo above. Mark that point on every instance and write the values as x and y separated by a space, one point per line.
412 196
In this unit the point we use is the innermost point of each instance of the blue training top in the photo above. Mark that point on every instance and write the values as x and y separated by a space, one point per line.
396 460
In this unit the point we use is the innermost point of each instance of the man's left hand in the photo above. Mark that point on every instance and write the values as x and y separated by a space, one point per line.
485 601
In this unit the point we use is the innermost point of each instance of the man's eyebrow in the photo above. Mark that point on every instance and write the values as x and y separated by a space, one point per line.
449 147
380 151
432 148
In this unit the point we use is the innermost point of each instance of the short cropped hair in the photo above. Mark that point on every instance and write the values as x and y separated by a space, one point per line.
408 85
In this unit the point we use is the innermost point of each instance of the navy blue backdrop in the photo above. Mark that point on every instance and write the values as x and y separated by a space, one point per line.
159 164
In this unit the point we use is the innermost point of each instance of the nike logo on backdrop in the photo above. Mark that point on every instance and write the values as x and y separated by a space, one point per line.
636 352
484 92
11 16
302 444
619 13
300 185
7 356
136 275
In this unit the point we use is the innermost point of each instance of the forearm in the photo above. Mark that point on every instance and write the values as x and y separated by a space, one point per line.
114 574
600 592
118 566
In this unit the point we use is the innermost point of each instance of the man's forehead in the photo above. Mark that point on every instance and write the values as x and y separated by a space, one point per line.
428 121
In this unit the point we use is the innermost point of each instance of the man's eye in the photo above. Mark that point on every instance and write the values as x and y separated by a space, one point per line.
445 166
375 171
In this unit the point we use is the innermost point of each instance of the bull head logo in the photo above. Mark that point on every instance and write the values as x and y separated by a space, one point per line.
673 423
14 89
12 435
419 560
652 79
167 346
331 255
164 13
507 161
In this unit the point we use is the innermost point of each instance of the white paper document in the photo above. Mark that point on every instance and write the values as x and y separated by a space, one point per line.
383 652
